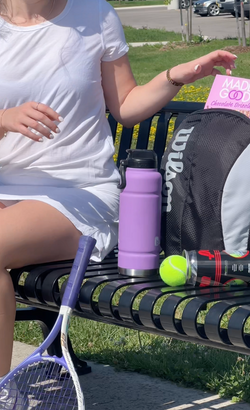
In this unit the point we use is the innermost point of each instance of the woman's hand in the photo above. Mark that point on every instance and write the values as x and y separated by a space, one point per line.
31 116
202 67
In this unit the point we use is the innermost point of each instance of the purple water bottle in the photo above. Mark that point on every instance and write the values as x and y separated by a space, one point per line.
139 214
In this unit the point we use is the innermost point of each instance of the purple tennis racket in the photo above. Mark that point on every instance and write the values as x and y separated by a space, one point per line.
47 382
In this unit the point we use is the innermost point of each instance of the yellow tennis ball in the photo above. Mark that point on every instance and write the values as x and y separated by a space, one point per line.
173 270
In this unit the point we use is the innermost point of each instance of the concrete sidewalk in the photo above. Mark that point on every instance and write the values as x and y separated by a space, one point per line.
141 7
107 389
148 43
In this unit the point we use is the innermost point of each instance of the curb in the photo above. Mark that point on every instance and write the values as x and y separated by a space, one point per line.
150 43
140 7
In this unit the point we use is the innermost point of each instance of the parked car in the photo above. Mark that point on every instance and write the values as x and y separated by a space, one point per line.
207 8
228 6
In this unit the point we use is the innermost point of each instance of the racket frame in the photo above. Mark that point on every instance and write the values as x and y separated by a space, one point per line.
85 248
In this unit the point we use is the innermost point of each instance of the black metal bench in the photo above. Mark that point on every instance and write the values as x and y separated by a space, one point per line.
143 304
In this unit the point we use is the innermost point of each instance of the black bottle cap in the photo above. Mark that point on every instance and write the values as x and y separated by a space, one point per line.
137 158
141 158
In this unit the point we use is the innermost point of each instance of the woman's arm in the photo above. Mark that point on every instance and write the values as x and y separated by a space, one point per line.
2 131
130 103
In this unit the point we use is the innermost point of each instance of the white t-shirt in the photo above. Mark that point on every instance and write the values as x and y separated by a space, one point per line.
58 63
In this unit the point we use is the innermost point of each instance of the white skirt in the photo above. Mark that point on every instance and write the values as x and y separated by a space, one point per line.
94 211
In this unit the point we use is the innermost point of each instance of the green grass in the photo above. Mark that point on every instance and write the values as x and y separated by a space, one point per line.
143 34
136 3
148 61
187 364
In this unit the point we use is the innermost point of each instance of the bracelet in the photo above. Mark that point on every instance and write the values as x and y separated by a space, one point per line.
1 118
172 81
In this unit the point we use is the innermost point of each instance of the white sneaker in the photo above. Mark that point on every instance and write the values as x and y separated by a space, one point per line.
12 399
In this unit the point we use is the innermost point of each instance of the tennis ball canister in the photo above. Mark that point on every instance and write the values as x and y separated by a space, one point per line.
206 268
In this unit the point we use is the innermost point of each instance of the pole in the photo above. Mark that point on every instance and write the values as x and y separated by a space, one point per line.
243 30
237 21
190 19
249 26
187 26
182 27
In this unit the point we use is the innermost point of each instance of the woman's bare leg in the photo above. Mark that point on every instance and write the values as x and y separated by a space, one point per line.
7 320
30 232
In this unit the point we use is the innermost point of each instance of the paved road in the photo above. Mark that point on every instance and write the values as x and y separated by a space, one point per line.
220 27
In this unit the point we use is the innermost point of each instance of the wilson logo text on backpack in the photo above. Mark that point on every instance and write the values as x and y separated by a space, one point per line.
174 165
205 175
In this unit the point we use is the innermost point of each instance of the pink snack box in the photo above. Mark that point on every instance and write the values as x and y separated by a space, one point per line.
230 92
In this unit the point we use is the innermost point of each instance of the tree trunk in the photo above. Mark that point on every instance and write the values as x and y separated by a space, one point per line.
243 29
237 21
190 19
249 24
182 27
187 25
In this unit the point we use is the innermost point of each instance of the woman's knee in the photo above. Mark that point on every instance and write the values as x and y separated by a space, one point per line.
6 285
2 254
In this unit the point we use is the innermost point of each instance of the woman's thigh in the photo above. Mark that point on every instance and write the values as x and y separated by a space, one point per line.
34 232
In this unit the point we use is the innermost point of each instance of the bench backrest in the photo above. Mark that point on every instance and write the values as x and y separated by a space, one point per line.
165 122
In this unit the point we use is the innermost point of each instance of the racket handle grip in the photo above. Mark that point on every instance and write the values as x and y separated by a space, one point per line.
85 248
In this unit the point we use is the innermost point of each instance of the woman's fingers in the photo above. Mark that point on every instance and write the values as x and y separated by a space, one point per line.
204 66
219 58
225 64
28 133
46 121
49 112
222 55
208 64
216 71
38 128
32 119
46 116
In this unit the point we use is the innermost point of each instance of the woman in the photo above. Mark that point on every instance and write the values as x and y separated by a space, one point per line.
61 62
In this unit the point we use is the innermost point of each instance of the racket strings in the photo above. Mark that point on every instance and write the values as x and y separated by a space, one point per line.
44 385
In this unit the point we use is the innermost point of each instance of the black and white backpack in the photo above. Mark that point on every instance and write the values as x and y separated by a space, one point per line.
206 183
